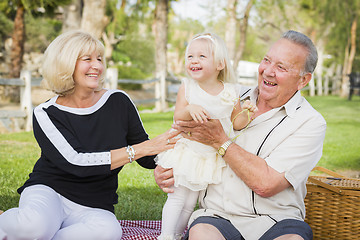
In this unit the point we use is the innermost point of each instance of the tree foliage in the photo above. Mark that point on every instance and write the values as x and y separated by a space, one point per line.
133 43
180 33
130 29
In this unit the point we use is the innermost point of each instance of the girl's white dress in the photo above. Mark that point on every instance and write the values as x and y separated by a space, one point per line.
194 164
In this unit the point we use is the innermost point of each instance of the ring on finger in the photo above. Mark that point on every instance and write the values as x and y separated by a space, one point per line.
189 134
168 141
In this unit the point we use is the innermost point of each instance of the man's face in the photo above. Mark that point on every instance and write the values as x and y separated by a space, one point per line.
280 73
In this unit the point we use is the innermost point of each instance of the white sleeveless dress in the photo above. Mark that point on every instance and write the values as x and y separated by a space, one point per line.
194 164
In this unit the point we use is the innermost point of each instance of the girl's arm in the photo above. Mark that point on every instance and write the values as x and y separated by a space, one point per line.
240 115
181 113
186 111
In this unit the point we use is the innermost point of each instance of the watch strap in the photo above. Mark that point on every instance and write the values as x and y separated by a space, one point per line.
224 147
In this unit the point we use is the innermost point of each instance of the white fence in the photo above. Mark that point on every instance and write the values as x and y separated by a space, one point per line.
10 118
21 119
16 120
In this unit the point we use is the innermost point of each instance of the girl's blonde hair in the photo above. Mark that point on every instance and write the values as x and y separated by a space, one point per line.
220 53
60 59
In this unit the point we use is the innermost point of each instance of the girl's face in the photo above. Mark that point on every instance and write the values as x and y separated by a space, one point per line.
88 70
199 61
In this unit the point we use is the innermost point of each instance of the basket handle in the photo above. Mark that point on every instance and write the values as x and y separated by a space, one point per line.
324 185
327 171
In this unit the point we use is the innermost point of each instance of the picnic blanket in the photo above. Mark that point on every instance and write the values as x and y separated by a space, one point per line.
140 229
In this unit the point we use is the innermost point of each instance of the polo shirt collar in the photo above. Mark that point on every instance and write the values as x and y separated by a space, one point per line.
290 107
293 104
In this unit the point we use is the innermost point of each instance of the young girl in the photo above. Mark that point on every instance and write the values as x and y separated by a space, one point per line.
208 94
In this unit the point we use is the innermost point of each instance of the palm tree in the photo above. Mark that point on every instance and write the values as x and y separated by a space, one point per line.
18 37
18 41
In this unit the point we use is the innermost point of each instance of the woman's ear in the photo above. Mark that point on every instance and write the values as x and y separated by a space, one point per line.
221 65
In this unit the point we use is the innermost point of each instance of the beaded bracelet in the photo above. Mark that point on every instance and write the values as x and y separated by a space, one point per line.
131 151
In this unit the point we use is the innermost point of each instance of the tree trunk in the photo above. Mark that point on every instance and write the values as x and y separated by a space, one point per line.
72 16
349 63
330 72
94 20
337 81
230 29
108 45
319 68
18 41
243 29
344 77
12 93
123 4
161 31
312 87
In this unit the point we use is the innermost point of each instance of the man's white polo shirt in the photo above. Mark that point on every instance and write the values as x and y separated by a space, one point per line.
290 139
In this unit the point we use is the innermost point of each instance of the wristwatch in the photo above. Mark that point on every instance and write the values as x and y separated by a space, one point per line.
224 147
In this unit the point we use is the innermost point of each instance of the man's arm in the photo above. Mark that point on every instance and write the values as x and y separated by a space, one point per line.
253 170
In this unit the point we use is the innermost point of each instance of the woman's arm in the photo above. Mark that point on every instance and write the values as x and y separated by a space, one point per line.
165 141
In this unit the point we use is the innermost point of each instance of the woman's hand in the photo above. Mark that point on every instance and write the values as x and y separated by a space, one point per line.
165 141
160 143
210 133
164 178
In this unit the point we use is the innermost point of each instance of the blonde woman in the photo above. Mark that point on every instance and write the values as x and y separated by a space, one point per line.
86 134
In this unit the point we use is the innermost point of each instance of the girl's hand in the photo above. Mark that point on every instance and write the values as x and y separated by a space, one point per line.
198 113
248 105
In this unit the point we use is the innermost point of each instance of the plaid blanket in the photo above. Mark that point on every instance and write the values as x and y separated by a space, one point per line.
140 229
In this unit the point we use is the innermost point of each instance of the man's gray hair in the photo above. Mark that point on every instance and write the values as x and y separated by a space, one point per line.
303 40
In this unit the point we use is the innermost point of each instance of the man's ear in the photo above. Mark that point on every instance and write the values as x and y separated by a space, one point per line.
305 79
220 66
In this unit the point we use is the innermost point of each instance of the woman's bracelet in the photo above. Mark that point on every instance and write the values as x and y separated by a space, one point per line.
131 151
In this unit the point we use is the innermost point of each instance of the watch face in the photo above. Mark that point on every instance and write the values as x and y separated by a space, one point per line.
221 151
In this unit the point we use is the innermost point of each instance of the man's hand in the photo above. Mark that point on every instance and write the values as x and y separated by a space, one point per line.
209 133
164 178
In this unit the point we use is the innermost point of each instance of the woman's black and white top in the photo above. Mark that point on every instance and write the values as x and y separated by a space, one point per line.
75 147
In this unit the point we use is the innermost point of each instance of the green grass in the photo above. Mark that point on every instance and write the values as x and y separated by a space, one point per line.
139 196
342 140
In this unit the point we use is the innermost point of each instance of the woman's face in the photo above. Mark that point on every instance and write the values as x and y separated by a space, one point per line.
88 70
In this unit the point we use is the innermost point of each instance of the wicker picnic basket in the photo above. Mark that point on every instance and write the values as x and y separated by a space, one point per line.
333 206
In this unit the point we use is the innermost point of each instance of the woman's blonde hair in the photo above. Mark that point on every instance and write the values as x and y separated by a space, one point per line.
60 59
220 53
